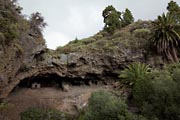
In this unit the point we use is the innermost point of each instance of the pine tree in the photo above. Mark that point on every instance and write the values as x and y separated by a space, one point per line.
112 19
174 9
127 18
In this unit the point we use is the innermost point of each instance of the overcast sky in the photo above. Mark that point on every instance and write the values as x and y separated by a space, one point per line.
68 19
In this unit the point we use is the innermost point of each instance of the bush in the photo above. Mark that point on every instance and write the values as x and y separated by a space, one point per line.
157 93
40 114
5 105
158 96
141 90
142 33
105 106
32 114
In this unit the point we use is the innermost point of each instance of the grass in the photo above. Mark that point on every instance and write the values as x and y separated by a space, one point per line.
129 37
5 106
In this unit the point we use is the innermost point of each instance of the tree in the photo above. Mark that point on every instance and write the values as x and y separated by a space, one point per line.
37 22
173 8
127 18
112 19
166 36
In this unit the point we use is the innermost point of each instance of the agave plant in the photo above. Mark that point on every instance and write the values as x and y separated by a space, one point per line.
133 73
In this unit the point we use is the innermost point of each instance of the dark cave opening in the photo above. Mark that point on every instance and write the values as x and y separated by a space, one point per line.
51 80
43 80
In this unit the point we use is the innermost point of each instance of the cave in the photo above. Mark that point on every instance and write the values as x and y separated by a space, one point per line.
41 81
50 80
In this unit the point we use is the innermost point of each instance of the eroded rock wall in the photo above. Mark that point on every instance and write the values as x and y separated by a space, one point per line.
25 55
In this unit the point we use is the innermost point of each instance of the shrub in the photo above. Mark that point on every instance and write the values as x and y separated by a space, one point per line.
157 93
40 114
32 114
176 75
88 40
5 105
157 96
142 33
105 106
141 90
9 30
98 36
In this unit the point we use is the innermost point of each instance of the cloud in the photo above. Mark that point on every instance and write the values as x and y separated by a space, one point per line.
55 39
68 19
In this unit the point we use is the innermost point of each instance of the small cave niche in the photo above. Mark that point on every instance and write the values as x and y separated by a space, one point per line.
51 80
41 81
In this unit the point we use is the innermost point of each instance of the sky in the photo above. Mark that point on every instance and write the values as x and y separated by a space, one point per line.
70 19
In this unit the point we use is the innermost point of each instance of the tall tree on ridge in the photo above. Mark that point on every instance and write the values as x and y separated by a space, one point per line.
127 17
173 8
112 19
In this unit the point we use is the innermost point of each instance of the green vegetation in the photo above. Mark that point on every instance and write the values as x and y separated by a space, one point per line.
137 33
17 34
166 36
166 33
40 114
13 24
156 94
105 106
8 21
37 22
5 106
174 9
133 73
159 37
127 18
113 19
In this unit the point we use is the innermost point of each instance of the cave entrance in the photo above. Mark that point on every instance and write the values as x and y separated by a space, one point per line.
50 80
41 81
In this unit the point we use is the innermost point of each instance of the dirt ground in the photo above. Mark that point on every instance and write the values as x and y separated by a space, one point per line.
21 99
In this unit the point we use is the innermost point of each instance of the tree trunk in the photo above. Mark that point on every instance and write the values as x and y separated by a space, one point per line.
169 56
174 55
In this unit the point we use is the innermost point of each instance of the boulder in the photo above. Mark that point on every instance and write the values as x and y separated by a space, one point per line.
65 87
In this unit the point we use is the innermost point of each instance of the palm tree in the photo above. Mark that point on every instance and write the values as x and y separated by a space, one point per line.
166 36
133 73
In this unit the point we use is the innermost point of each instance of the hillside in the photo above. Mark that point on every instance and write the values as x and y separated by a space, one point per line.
132 37
96 58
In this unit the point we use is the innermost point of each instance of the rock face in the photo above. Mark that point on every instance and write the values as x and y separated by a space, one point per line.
17 47
26 56
82 66
98 66
78 66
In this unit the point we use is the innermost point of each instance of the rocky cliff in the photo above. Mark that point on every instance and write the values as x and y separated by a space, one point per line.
23 53
19 45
